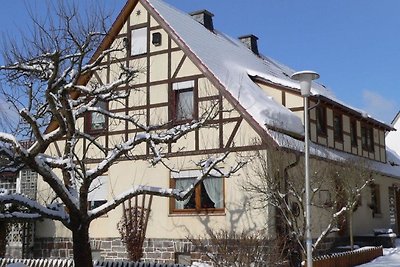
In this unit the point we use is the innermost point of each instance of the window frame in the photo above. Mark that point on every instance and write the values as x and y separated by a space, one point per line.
353 133
338 128
179 88
367 138
197 193
375 200
89 119
97 193
141 38
321 120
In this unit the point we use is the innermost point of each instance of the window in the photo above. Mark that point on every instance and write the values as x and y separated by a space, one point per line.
367 138
139 41
98 192
184 100
321 120
156 39
353 132
207 196
338 127
375 204
97 121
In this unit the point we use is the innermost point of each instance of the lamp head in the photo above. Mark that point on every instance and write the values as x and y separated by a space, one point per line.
305 77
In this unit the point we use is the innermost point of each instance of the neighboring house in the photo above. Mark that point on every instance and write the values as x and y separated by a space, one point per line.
20 233
186 66
393 138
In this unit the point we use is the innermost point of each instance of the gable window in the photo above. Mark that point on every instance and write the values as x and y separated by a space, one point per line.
321 120
338 127
139 41
375 204
98 192
353 132
367 138
207 196
95 120
184 100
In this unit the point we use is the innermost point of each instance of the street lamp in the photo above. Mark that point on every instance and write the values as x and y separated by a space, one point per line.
305 78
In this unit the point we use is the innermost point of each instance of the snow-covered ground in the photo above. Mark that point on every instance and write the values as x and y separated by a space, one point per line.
390 258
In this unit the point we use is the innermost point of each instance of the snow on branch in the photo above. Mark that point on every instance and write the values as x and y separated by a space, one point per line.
34 209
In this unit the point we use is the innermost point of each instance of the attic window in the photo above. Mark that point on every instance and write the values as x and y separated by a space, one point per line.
139 41
156 39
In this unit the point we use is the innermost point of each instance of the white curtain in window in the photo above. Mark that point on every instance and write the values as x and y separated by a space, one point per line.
98 120
139 41
214 190
182 184
185 105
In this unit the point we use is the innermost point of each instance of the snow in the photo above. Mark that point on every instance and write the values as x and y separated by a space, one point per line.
391 257
199 264
233 65
230 62
336 155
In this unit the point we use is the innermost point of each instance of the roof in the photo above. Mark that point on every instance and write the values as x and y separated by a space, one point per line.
233 64
391 168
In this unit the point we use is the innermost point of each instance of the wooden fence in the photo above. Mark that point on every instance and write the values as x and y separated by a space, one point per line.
348 259
70 263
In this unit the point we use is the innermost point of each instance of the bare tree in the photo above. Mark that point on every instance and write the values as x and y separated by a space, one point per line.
276 179
239 249
352 178
47 76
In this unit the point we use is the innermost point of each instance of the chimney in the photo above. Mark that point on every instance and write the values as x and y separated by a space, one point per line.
251 42
204 17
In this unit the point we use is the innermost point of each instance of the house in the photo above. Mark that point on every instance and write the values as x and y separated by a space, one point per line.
186 67
19 237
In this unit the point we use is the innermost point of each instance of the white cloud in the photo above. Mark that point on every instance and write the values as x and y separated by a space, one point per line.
380 107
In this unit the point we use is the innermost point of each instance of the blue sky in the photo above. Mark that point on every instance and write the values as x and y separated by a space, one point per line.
354 45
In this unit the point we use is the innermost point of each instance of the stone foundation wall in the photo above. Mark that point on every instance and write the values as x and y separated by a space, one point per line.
154 250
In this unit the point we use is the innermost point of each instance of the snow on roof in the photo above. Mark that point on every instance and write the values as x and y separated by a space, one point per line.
231 62
391 168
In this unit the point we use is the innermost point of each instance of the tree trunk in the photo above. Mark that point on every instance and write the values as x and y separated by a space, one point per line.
3 238
81 245
351 229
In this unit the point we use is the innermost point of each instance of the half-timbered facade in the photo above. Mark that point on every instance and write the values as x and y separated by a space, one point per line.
185 69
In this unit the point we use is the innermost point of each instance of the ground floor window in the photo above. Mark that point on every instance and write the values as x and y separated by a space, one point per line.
207 196
375 200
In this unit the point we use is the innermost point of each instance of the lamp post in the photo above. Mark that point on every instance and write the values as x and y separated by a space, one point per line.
305 78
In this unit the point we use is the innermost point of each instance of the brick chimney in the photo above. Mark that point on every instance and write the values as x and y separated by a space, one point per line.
251 42
204 17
